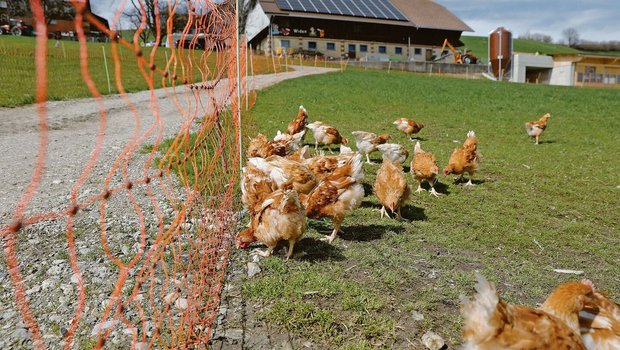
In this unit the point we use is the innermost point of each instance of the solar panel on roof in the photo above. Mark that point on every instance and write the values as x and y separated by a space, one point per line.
380 9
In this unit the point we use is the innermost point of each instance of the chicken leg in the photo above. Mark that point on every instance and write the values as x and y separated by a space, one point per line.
331 237
368 159
420 189
383 212
433 192
291 244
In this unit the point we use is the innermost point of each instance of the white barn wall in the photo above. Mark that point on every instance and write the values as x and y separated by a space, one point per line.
563 73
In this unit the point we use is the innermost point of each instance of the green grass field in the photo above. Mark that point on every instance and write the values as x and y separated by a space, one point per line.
535 208
65 80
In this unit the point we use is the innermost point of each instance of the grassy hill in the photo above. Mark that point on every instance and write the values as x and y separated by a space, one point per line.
479 46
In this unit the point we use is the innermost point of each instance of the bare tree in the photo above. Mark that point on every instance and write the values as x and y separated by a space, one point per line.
244 10
144 14
571 35
537 37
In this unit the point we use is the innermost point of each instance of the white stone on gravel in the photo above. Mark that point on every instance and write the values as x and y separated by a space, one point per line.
103 326
181 304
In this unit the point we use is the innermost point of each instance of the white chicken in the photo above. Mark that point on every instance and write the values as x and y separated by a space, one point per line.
394 152
326 135
367 142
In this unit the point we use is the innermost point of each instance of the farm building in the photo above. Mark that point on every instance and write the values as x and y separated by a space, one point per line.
371 30
567 69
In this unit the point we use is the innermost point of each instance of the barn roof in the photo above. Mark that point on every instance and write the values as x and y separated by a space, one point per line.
419 14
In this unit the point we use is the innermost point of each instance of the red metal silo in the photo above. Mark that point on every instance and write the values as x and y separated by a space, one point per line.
500 50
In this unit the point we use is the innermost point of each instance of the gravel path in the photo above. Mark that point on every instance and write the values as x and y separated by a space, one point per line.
74 125
49 281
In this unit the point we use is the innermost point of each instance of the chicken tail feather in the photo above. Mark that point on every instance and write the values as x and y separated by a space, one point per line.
484 314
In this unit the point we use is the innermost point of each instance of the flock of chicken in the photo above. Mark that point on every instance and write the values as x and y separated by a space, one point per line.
282 184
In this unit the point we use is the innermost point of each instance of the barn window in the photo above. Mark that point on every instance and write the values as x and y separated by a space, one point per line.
331 46
311 45
382 49
285 43
580 77
398 50
417 51
363 48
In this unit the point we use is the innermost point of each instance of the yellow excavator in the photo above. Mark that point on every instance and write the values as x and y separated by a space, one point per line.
459 58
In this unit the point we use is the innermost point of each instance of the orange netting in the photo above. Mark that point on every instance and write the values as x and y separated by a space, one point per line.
142 239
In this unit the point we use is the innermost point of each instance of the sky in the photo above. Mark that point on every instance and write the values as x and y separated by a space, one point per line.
594 20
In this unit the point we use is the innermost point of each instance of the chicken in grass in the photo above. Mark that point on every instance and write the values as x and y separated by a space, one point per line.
367 142
279 216
394 152
535 128
424 168
600 322
326 135
283 172
408 126
464 159
492 324
337 195
298 124
391 188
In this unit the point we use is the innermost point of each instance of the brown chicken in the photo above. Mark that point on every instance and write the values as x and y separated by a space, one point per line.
300 155
255 187
367 142
284 172
408 126
535 128
292 143
322 166
391 188
280 216
424 168
464 159
326 135
299 123
261 147
337 195
600 322
492 324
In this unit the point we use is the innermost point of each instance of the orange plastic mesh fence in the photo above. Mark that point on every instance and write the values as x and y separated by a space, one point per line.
135 254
